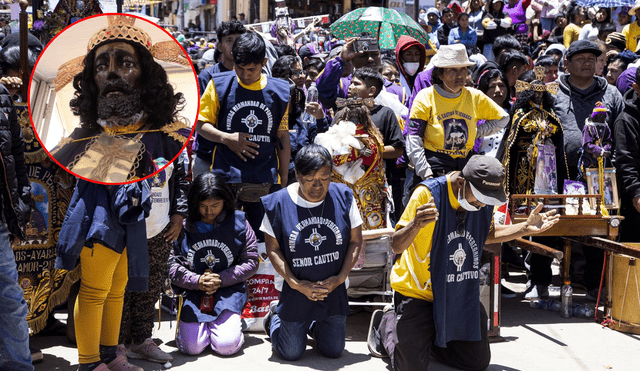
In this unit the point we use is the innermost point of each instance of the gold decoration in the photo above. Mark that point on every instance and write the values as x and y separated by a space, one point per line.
109 159
67 71
539 71
121 28
354 102
172 131
169 51
124 129
551 87
537 84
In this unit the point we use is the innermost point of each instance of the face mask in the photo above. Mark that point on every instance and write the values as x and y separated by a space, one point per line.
465 204
423 15
411 68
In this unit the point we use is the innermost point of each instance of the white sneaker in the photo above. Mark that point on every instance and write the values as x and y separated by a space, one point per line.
536 291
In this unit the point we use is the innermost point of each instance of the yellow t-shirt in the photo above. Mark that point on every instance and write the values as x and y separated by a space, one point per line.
210 104
571 33
452 123
410 275
632 33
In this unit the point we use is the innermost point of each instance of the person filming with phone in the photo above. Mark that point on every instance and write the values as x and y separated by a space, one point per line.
334 81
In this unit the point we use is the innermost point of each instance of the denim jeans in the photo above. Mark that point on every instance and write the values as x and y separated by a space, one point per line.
14 339
289 339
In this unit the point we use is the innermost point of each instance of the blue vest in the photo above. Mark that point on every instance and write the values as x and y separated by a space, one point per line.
207 74
256 112
216 250
314 243
455 266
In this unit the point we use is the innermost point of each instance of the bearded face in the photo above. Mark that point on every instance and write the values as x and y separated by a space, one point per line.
117 75
122 105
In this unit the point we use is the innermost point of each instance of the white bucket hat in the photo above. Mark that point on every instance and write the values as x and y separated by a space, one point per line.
452 56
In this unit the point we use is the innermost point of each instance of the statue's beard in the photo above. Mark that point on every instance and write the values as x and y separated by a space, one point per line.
122 105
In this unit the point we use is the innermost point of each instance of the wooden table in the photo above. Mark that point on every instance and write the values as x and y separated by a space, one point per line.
592 230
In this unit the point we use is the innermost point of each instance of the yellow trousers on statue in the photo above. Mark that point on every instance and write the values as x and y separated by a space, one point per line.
98 309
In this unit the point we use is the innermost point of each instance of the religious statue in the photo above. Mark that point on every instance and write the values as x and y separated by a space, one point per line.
127 107
356 145
533 151
596 139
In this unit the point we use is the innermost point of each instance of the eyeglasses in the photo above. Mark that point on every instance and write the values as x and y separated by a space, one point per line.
461 214
296 73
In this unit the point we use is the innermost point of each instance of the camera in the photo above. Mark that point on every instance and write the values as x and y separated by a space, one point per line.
365 44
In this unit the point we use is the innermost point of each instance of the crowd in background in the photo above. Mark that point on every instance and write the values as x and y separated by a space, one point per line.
534 79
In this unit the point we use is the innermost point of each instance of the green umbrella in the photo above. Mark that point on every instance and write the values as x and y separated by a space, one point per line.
387 24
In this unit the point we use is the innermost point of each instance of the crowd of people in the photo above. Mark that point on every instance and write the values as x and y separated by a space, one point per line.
307 143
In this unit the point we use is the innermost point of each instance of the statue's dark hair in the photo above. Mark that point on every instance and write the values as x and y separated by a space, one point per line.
159 101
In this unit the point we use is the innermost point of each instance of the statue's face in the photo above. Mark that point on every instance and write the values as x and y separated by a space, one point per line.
537 97
117 75
117 61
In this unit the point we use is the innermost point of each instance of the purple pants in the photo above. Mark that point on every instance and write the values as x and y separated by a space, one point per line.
224 335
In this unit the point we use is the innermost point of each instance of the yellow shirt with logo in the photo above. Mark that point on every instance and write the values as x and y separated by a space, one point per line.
452 122
210 103
632 33
410 275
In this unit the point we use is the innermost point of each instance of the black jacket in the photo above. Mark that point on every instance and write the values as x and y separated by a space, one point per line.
16 189
178 188
627 135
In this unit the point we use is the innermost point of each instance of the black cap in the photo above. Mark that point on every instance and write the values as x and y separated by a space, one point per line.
616 40
583 46
486 177
305 51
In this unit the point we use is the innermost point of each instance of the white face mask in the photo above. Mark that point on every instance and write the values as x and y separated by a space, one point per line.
411 68
423 15
464 203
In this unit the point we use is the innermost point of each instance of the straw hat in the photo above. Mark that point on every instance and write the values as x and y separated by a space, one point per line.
452 56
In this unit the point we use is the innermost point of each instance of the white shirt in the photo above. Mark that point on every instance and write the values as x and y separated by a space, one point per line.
292 189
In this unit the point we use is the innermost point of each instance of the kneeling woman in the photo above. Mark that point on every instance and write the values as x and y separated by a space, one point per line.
211 262
313 238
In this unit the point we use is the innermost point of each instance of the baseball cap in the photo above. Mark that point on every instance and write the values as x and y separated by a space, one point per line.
433 11
616 40
583 46
307 50
486 177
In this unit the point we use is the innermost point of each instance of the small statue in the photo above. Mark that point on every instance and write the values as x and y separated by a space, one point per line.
596 139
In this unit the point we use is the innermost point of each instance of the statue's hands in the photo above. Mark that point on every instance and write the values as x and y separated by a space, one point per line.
365 152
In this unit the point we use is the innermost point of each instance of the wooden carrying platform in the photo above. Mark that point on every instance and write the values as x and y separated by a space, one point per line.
592 230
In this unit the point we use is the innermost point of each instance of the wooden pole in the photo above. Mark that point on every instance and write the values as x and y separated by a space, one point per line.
24 52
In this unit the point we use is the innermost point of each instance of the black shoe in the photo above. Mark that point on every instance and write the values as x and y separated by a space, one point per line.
54 328
507 292
36 355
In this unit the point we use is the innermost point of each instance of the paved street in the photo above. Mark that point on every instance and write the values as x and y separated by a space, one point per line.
535 340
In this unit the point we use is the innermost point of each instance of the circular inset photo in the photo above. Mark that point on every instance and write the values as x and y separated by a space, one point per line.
113 99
